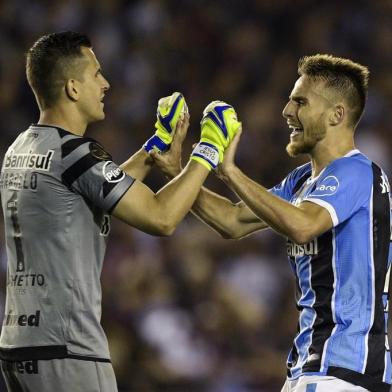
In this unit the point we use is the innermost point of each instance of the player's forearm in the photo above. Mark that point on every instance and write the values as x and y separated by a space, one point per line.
138 165
216 211
177 197
224 216
282 216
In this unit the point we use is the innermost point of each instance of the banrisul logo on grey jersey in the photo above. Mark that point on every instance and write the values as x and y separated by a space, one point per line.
29 160
112 174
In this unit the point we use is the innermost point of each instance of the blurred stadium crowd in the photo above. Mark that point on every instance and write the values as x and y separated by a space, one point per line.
195 312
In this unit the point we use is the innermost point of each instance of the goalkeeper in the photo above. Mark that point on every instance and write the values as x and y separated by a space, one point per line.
52 339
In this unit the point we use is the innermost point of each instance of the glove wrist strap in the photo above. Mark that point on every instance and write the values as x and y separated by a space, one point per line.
155 142
208 152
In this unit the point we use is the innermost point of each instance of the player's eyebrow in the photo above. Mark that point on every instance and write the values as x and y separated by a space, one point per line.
298 98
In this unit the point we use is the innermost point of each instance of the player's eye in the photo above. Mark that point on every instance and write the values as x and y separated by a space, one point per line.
300 102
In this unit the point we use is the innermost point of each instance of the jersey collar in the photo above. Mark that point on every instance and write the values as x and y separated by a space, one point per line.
352 152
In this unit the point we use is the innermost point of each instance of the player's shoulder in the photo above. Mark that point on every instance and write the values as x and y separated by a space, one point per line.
75 147
69 144
354 162
355 169
81 155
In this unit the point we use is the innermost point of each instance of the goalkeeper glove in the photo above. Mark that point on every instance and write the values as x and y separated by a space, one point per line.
168 113
218 127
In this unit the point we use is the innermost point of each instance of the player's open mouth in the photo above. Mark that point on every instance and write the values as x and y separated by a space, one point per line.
295 130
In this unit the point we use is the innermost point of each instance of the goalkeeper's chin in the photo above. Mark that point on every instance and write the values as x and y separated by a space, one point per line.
98 116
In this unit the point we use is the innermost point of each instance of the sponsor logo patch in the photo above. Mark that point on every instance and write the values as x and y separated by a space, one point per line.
25 280
327 187
29 160
28 367
22 367
112 175
22 320
309 249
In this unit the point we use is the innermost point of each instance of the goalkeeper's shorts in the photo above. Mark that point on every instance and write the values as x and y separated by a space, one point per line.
59 375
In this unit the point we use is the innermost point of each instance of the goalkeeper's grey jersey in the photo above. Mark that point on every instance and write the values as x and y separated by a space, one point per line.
57 193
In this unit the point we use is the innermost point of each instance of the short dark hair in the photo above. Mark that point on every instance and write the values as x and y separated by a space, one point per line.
50 62
350 79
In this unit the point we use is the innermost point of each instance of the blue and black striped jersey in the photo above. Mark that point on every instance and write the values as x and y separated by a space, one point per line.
57 192
342 283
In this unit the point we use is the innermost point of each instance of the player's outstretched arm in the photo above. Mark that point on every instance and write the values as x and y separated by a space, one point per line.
160 213
169 110
230 220
299 223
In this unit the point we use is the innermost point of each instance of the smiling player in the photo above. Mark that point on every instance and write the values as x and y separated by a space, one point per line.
335 213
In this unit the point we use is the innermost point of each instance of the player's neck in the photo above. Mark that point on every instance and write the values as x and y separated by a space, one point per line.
324 153
65 119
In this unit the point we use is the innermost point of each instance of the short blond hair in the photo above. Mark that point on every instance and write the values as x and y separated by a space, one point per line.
346 77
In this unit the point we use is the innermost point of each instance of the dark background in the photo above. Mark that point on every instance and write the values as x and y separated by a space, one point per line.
195 312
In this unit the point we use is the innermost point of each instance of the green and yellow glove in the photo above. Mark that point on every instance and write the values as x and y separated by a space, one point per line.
168 113
219 125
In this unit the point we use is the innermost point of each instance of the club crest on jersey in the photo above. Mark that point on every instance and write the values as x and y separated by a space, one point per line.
98 152
326 187
112 174
309 249
29 160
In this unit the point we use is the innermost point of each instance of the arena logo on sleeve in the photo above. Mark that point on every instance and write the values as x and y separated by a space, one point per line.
326 187
114 174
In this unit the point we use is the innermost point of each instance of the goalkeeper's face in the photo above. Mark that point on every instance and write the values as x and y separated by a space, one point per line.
91 89
306 114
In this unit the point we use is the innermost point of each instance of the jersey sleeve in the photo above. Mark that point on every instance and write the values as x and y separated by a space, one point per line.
288 186
343 188
90 171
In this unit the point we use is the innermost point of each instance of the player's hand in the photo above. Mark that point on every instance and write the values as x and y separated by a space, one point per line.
218 127
170 161
169 111
223 170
